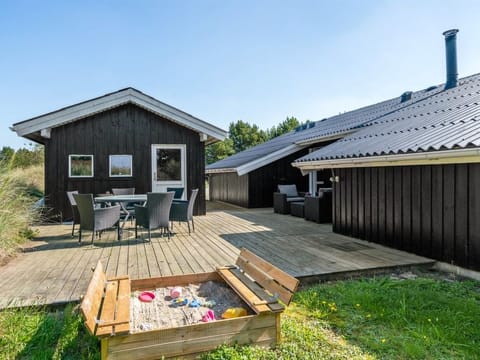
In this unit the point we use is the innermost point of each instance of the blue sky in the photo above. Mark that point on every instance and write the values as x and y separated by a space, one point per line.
259 61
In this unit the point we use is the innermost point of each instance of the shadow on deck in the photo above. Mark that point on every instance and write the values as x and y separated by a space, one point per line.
55 268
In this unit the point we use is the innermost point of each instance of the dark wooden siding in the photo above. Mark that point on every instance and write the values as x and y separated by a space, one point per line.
262 183
124 130
433 211
229 187
255 189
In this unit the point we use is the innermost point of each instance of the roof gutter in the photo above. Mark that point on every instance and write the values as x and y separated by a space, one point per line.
461 156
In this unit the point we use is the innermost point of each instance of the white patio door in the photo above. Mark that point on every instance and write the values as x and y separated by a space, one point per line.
169 167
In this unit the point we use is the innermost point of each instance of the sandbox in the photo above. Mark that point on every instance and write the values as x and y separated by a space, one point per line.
130 328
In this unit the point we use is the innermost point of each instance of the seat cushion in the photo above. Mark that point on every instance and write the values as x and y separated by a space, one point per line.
289 190
297 209
295 199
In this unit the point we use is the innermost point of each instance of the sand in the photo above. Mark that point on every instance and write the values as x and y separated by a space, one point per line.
161 313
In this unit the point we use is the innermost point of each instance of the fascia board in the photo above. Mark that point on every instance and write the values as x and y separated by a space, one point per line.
219 171
177 115
77 112
461 156
268 159
70 114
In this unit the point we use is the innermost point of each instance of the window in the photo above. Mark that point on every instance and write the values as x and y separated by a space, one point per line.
169 164
80 165
120 165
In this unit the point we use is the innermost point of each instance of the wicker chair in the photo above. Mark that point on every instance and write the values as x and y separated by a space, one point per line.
183 210
284 197
96 219
128 209
178 192
155 214
73 204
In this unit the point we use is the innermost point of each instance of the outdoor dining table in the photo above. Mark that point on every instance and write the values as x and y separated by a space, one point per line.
121 199
105 199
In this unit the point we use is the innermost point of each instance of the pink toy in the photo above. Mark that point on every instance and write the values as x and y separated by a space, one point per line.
146 296
176 292
209 316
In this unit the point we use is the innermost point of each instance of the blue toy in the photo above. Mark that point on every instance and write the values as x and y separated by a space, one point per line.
194 303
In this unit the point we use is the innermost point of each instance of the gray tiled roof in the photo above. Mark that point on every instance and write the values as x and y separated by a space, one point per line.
448 120
322 130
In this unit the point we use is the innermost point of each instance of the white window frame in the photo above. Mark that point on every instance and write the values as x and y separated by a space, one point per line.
110 165
80 176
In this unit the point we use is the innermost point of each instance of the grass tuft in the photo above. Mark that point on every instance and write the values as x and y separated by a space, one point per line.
19 189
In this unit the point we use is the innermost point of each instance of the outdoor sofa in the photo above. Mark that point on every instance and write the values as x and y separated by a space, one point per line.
286 195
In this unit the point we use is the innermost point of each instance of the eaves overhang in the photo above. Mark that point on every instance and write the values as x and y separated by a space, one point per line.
458 156
208 132
268 159
220 171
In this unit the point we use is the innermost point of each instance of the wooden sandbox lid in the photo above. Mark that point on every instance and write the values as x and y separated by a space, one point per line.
259 283
106 304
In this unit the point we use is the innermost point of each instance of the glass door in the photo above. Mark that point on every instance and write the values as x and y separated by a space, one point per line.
169 167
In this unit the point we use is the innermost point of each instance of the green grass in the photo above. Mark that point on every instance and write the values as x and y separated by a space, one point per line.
31 333
380 318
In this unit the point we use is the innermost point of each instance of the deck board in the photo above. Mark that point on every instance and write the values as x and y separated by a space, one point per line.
57 269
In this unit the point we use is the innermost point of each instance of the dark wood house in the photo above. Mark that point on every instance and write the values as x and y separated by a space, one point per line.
250 177
121 139
411 180
255 188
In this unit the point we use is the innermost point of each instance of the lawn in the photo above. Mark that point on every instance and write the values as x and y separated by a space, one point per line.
427 317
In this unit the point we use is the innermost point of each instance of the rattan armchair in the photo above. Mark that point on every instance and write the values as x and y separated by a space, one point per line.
75 214
284 197
183 210
96 219
127 209
178 191
155 214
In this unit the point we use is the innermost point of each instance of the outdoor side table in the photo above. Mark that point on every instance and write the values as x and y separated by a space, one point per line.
319 208
296 209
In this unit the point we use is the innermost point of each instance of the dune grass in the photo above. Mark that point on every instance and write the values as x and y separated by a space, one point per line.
19 189
376 318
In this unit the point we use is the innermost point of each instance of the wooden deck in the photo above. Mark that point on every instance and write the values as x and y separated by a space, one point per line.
55 269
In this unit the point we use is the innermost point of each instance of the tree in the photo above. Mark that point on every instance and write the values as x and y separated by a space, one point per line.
244 135
219 150
6 154
284 127
27 157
